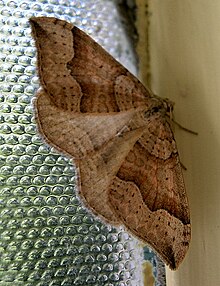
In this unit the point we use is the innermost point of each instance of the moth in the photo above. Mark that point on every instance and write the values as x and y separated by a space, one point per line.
118 134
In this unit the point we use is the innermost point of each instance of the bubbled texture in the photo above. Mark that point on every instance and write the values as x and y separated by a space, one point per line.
47 237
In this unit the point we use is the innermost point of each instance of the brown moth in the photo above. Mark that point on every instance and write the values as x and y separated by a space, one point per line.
93 109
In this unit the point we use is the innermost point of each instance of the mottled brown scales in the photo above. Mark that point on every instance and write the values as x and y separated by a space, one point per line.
93 109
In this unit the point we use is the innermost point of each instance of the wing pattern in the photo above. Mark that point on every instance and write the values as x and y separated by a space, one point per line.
93 109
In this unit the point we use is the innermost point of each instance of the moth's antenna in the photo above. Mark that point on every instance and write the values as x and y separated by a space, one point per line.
184 128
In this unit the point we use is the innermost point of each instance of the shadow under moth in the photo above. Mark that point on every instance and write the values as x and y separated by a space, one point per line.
118 133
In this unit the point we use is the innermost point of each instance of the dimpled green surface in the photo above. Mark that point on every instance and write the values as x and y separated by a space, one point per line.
47 237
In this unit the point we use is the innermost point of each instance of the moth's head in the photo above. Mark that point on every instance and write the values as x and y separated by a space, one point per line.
168 105
159 107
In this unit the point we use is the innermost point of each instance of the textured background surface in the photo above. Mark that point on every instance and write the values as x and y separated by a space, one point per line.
47 237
